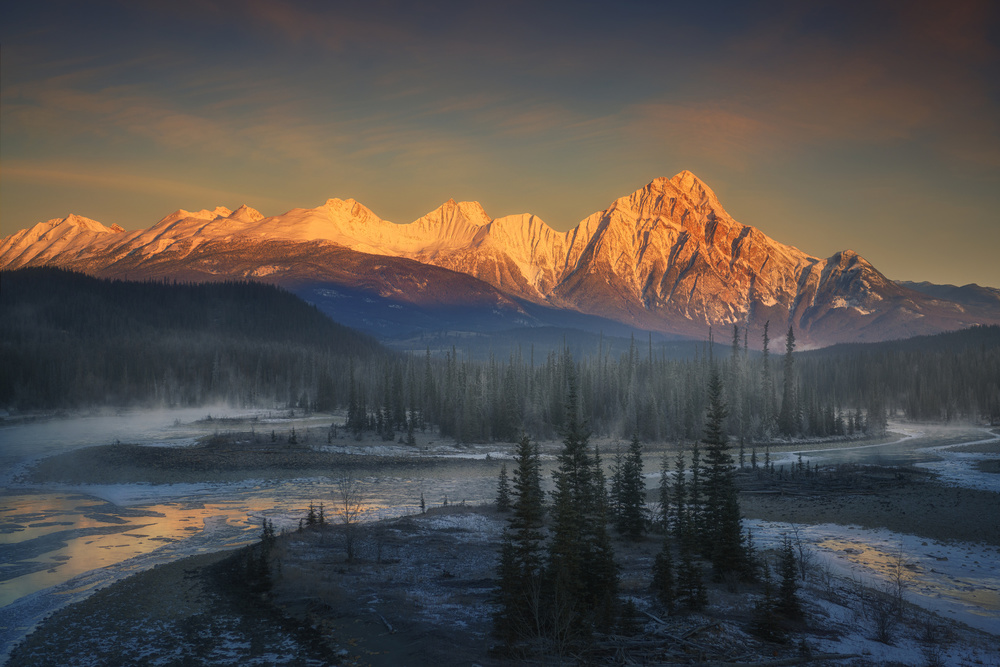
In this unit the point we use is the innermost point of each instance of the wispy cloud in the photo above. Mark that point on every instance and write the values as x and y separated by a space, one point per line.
123 181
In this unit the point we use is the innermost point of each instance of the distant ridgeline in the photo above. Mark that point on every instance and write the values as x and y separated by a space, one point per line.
70 340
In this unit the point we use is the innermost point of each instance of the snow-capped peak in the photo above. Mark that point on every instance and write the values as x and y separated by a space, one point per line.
246 214
80 222
666 257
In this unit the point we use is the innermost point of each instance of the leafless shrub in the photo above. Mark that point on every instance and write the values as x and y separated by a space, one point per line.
879 607
805 559
897 576
348 497
933 656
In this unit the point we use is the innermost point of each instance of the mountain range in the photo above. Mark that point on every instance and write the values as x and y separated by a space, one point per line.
667 258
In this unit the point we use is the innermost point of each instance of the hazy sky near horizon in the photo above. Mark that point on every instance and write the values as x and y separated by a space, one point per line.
873 126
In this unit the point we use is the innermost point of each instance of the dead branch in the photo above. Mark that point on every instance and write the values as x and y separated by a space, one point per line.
385 623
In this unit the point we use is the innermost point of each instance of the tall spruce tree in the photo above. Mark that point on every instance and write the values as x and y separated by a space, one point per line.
788 418
664 494
767 384
503 489
690 589
521 568
722 511
788 601
617 466
632 506
581 569
697 531
663 576
682 526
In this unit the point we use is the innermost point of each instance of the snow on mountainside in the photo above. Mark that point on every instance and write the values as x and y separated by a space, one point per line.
47 241
667 257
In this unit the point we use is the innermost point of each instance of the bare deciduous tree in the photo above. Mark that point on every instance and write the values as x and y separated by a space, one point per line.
349 496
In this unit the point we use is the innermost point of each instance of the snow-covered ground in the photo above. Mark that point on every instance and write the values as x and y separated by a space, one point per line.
957 580
166 522
959 469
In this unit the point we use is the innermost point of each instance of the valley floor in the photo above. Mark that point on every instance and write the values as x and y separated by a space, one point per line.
418 594
419 590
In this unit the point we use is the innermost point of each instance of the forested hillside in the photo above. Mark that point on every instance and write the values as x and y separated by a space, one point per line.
70 340
953 375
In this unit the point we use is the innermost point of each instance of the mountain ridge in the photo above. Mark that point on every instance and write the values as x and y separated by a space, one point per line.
667 257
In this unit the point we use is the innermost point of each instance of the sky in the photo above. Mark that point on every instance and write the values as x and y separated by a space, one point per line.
873 125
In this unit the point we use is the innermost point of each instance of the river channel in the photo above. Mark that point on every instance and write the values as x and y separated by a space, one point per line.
59 542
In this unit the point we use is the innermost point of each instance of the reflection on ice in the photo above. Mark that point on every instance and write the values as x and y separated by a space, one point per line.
958 579
57 543
72 534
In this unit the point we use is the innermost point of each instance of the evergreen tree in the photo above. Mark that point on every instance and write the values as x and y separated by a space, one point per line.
663 577
528 507
355 413
788 601
503 490
690 592
509 619
722 512
788 418
616 484
631 517
682 527
411 438
767 384
582 572
664 494
521 607
628 620
602 507
764 622
695 511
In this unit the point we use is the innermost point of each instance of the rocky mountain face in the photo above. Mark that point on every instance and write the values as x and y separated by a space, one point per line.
665 258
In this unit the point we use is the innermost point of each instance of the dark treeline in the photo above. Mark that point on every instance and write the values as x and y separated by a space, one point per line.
70 340
67 340
949 376
844 391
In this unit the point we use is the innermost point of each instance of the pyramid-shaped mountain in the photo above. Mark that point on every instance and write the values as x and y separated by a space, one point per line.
666 258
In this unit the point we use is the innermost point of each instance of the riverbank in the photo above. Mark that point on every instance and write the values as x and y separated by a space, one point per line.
418 591
220 459
902 499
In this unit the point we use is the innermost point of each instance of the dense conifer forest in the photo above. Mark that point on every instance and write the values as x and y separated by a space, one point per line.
68 340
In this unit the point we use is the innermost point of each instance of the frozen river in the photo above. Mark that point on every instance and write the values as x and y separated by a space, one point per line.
58 543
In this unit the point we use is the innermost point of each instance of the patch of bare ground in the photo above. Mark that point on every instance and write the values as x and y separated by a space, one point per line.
182 613
903 499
